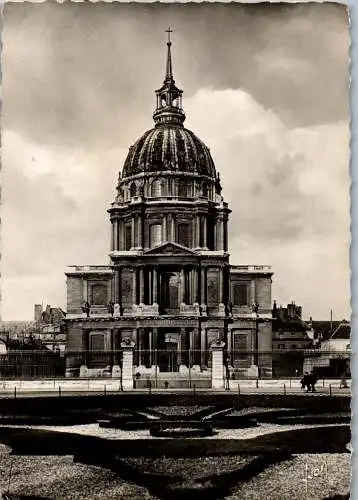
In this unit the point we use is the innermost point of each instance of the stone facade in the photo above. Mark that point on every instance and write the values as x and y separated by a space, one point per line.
169 288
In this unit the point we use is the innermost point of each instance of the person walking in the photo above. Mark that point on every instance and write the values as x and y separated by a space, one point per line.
305 382
313 380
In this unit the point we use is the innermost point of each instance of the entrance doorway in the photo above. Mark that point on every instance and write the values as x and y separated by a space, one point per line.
168 351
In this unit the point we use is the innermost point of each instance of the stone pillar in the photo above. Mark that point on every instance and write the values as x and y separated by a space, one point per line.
155 286
141 333
169 228
155 346
115 235
221 292
140 232
217 368
121 235
112 236
141 285
172 229
150 338
203 286
134 287
195 286
197 232
193 229
133 232
253 291
225 236
215 236
165 229
196 346
219 234
127 365
203 346
205 239
182 287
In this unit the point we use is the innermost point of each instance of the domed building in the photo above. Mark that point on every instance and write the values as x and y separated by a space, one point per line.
169 289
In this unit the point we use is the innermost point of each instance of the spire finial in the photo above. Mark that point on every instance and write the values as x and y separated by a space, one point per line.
169 71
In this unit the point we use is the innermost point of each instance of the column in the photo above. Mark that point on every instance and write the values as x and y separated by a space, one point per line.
134 286
221 285
155 286
197 239
203 346
196 346
127 365
155 346
164 229
141 354
195 286
150 286
219 233
205 239
217 368
121 235
141 285
253 291
193 229
140 232
182 287
172 229
225 236
112 236
133 233
150 342
203 286
215 237
115 235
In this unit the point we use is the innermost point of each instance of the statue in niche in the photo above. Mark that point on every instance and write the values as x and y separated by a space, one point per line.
86 309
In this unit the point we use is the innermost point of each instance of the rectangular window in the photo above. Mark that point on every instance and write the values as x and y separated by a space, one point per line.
240 297
155 231
184 235
99 294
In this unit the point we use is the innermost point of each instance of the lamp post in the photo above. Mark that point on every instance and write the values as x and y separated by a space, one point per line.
255 310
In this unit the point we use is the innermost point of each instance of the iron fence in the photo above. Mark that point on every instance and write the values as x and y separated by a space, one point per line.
158 366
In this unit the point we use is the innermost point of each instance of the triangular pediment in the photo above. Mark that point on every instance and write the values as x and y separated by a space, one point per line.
169 249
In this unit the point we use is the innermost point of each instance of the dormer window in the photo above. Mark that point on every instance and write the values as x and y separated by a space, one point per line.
133 190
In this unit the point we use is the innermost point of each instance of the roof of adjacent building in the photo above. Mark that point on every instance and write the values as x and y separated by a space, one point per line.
332 329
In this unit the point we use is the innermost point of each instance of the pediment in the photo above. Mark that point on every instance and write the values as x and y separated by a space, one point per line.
169 249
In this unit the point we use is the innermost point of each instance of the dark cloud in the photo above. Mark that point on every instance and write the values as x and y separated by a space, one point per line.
78 72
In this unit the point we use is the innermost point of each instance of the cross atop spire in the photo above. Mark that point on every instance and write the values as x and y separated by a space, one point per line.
169 97
169 70
169 31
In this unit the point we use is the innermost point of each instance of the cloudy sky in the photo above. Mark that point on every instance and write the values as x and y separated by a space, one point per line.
265 87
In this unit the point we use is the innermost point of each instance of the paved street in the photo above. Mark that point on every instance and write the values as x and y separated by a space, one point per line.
43 388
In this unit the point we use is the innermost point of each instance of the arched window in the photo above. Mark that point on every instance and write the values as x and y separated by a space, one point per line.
182 188
205 189
155 188
133 190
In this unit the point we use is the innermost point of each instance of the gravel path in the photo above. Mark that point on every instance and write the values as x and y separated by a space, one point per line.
305 477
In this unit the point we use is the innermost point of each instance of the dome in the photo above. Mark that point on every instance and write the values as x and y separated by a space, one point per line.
169 147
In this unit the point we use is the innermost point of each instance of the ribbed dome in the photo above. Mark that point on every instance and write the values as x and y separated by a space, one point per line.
167 147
